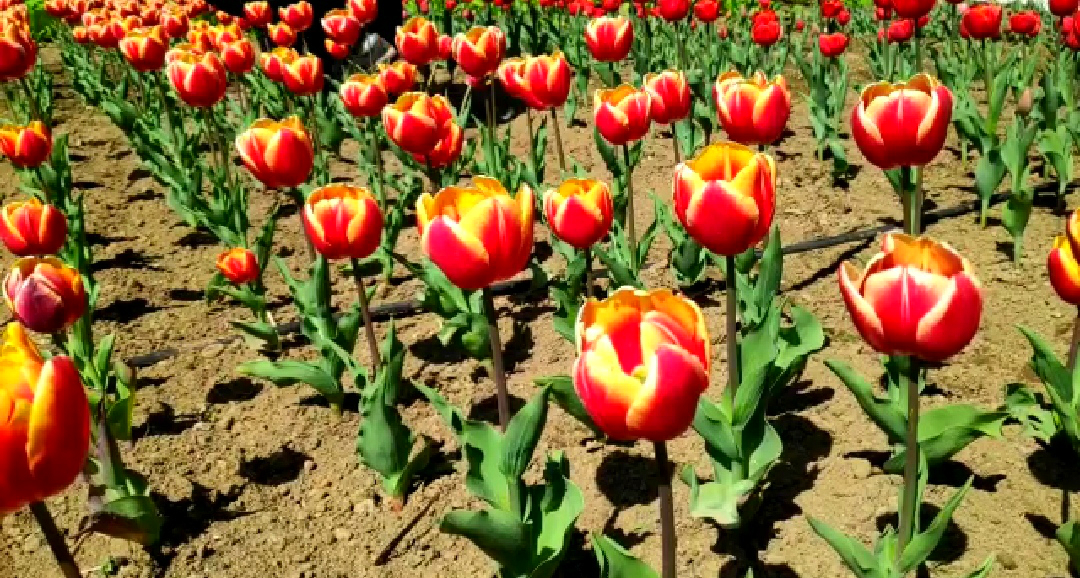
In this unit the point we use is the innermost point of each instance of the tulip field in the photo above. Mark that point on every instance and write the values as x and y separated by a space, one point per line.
539 288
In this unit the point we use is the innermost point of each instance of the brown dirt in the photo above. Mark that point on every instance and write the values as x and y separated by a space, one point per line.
256 481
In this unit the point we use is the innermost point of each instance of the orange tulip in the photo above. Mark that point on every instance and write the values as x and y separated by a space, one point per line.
398 77
417 41
299 16
31 228
726 197
363 95
1064 271
343 222
238 265
643 363
80 35
341 26
281 34
480 50
547 79
221 35
916 297
416 122
258 14
199 80
446 150
477 236
752 110
239 56
669 96
511 75
45 294
303 75
26 146
18 52
145 49
273 63
579 212
279 154
175 24
336 50
609 38
44 422
904 124
621 114
364 10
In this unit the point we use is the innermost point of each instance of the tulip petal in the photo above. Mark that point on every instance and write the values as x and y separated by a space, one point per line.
665 405
458 254
58 434
862 313
950 325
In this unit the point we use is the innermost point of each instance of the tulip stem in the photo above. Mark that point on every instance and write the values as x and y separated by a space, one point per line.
630 228
365 312
56 540
497 359
589 274
675 141
558 139
910 381
376 180
667 510
531 160
732 314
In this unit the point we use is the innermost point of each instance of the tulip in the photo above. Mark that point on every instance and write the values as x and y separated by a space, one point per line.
752 110
642 363
831 8
832 45
844 17
57 9
477 236
707 11
44 422
80 35
1025 23
579 212
343 222
609 39
621 114
31 228
673 10
417 41
239 56
238 265
363 95
303 75
221 35
26 146
446 150
341 26
480 50
1062 8
446 47
983 21
669 96
279 154
547 79
175 24
273 63
511 75
726 197
145 49
364 10
1064 271
18 52
335 50
902 124
916 297
416 122
299 15
45 294
281 34
913 9
398 77
766 31
258 14
903 30
199 80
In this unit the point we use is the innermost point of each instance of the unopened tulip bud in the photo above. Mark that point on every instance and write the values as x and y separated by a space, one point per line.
45 294
238 265
31 228
1024 104
26 146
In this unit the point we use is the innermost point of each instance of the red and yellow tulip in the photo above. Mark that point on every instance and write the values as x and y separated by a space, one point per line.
416 122
579 212
145 49
281 34
303 75
238 265
44 422
477 236
279 154
417 41
609 38
621 114
44 294
752 110
480 50
364 10
175 23
238 56
343 222
258 14
643 363
902 124
32 228
298 16
511 75
398 77
363 95
726 197
669 96
18 51
916 297
199 80
1064 271
547 79
26 146
341 26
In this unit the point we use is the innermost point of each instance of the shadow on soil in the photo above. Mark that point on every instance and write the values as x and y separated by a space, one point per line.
280 467
190 517
128 259
164 422
125 310
234 390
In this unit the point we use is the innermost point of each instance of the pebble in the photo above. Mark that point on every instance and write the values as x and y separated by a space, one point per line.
1007 561
342 535
861 469
32 544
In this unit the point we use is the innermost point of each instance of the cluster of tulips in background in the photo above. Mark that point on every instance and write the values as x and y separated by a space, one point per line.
192 87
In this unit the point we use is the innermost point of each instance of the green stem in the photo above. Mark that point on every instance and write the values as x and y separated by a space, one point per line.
588 273
373 132
56 540
558 139
911 462
365 312
497 359
732 316
667 510
630 227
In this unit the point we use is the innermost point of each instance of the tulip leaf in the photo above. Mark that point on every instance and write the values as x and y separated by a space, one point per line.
616 562
804 337
944 431
285 373
1068 535
923 543
562 392
856 557
884 412
557 504
770 270
1026 407
501 535
522 435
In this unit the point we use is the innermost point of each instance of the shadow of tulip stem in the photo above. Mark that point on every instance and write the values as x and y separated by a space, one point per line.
667 511
911 458
732 315
365 311
56 541
498 369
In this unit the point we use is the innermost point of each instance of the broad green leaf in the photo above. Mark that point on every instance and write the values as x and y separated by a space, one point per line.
855 556
499 534
522 435
616 562
887 414
923 543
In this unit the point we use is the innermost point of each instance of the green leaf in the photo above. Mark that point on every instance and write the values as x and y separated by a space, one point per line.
1025 407
770 270
134 518
561 389
886 413
560 502
522 435
1068 535
923 543
499 534
718 500
944 431
803 338
984 569
855 556
616 562
286 373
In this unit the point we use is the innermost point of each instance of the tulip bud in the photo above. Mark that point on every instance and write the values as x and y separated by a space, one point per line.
397 78
238 265
298 16
26 146
752 110
258 14
239 56
1064 271
363 95
44 294
622 114
341 26
416 122
983 21
480 50
707 10
765 30
279 154
609 39
364 10
1024 104
673 10
579 212
912 9
303 75
199 80
145 49
669 96
31 228
889 138
546 80
417 41
343 222
642 363
281 34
